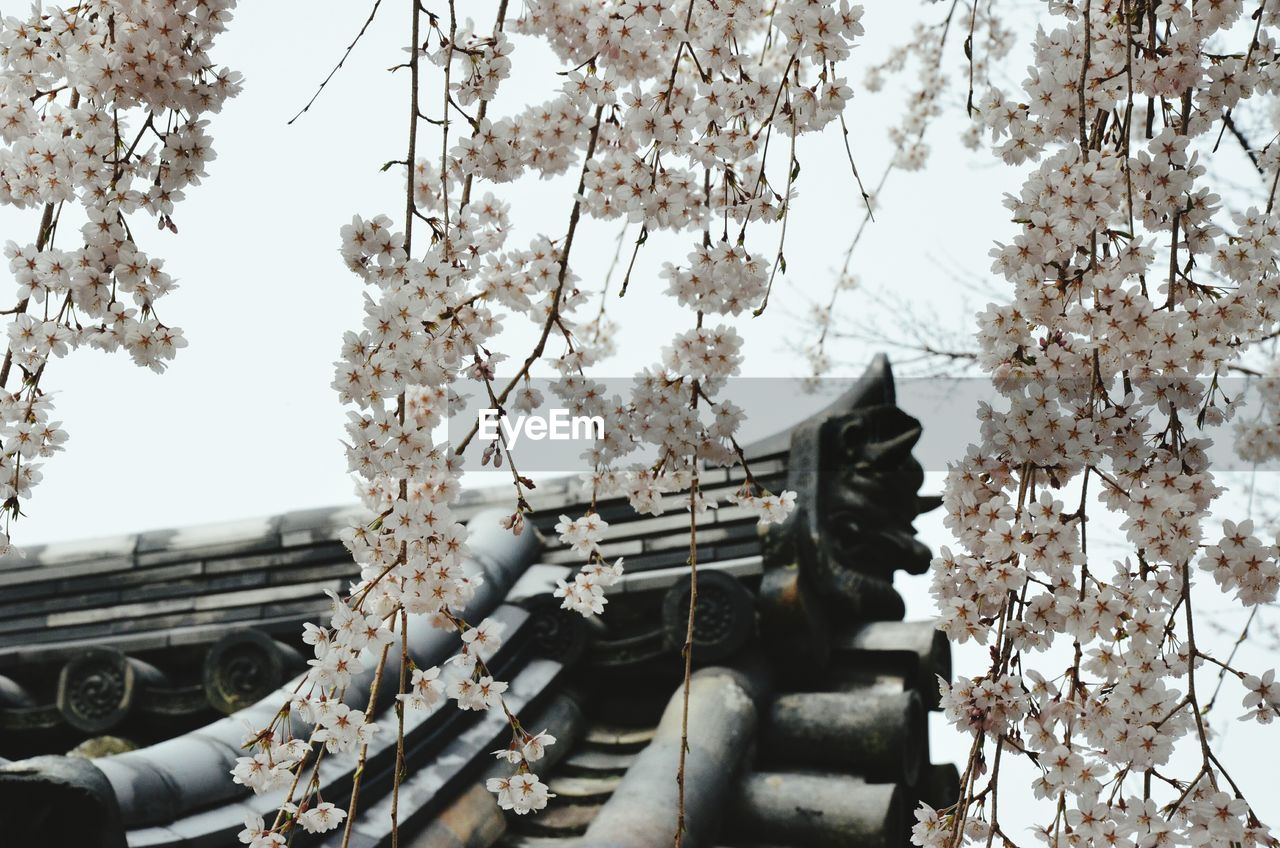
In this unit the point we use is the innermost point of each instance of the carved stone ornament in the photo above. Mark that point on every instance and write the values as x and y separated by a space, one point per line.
243 667
856 486
557 633
96 690
725 620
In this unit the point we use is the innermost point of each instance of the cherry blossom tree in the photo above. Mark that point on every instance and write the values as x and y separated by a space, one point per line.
102 120
1126 291
1130 294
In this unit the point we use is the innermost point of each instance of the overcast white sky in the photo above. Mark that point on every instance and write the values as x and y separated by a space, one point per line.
244 423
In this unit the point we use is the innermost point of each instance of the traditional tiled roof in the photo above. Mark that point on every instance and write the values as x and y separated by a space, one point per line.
807 714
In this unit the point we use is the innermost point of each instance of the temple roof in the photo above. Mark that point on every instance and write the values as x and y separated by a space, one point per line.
149 652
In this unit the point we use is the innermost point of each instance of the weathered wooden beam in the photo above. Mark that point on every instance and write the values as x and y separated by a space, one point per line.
877 735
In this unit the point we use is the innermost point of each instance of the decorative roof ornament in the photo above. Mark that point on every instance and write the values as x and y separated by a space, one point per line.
856 486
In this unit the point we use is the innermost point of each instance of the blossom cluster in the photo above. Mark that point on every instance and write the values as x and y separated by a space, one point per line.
1258 437
677 132
768 508
1242 563
1131 291
585 594
522 792
321 817
1262 697
103 110
666 111
668 117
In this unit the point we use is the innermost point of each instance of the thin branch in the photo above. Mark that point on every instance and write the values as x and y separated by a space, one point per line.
345 55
